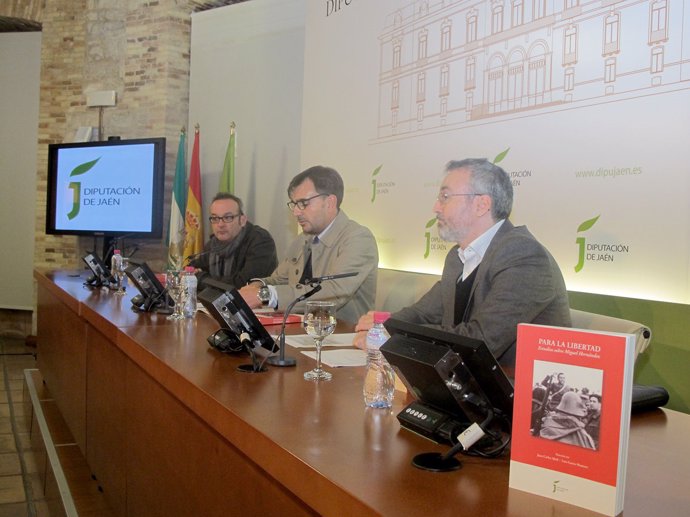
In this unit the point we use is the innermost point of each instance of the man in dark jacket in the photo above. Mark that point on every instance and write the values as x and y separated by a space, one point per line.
238 250
496 276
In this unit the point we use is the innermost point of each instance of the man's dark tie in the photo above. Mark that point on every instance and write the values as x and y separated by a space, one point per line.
307 271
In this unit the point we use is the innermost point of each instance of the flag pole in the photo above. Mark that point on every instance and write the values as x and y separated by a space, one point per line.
227 178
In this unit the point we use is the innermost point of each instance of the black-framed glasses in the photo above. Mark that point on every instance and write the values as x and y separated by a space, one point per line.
227 218
303 203
444 197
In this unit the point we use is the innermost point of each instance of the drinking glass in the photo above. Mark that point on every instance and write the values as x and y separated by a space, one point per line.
319 322
174 285
119 272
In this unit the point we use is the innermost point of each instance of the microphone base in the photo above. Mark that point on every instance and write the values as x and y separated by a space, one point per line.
434 462
276 360
249 368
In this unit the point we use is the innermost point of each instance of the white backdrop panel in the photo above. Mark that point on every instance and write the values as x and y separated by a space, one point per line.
592 103
246 67
20 71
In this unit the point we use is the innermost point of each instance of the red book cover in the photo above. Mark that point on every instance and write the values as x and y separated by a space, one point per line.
571 415
276 318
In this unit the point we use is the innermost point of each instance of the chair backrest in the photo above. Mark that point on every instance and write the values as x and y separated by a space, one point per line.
592 321
397 289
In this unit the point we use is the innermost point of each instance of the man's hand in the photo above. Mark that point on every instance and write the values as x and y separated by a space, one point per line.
363 325
250 293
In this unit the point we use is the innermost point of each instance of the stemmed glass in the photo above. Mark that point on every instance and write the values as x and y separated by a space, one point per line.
319 322
119 273
173 283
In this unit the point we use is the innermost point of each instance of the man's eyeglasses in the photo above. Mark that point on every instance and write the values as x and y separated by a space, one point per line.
227 218
444 197
303 203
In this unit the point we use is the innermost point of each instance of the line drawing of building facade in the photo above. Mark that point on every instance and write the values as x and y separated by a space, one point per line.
449 64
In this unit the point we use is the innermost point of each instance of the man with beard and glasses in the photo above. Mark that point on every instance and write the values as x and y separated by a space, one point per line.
497 275
238 250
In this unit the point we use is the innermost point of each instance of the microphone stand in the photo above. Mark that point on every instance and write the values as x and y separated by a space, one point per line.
280 359
256 366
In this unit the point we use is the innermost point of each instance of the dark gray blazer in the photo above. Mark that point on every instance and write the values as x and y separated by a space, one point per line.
518 281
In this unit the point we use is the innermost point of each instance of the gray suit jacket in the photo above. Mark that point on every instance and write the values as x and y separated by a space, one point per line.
518 281
346 247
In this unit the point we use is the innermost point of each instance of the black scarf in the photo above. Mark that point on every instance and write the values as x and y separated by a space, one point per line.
222 255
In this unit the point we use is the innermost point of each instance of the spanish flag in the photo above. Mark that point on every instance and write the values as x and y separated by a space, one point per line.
194 229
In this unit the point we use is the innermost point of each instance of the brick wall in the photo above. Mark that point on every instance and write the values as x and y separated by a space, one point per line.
140 49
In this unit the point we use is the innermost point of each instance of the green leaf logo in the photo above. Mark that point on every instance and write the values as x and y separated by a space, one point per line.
431 222
588 224
500 156
76 186
84 167
373 182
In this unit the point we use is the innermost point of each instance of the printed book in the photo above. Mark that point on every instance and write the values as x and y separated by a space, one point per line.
276 318
571 415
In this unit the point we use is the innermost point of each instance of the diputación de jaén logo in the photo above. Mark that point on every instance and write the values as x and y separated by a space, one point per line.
427 236
75 186
380 188
373 182
582 242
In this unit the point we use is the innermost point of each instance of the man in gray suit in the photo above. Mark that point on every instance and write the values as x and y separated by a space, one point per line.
330 244
497 276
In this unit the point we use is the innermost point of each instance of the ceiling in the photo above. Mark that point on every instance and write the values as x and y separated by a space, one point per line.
8 24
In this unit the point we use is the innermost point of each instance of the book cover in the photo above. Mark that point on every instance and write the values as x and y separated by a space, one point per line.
571 415
276 318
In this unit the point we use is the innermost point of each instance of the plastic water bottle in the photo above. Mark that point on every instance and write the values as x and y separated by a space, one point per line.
379 383
115 267
190 281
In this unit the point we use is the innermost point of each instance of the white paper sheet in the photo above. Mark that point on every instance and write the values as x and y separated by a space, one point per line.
343 357
305 341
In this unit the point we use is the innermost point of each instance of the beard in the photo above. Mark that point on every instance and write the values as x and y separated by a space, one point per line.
449 234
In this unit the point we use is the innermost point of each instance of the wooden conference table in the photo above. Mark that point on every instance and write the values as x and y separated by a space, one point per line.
170 428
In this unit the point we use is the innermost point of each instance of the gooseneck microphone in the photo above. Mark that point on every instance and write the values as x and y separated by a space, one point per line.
256 366
280 359
195 256
317 280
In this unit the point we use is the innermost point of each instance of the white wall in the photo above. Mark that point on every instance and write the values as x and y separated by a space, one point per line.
592 104
246 67
594 131
20 67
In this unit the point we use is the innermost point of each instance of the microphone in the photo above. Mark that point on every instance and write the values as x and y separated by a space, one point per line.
256 366
319 279
114 242
195 256
281 360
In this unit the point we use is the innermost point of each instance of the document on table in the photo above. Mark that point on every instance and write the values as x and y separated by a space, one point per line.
305 341
343 357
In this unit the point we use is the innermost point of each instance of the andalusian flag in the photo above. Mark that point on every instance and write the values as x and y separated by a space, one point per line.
227 179
175 240
194 230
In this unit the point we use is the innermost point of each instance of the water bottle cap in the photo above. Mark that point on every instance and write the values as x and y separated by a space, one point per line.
381 317
116 252
189 269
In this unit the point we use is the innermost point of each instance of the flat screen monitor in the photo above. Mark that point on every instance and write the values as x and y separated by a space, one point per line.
450 375
108 188
231 312
152 295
